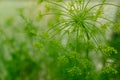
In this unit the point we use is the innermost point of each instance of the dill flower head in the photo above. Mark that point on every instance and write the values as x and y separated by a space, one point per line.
78 17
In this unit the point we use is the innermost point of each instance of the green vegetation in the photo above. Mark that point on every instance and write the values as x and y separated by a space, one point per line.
59 40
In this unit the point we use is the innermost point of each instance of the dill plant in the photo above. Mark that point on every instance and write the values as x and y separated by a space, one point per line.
63 52
67 50
76 26
77 19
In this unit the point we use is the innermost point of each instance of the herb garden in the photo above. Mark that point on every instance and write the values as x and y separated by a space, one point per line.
60 40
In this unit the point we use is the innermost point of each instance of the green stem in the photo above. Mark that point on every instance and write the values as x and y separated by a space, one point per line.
77 48
88 38
77 37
